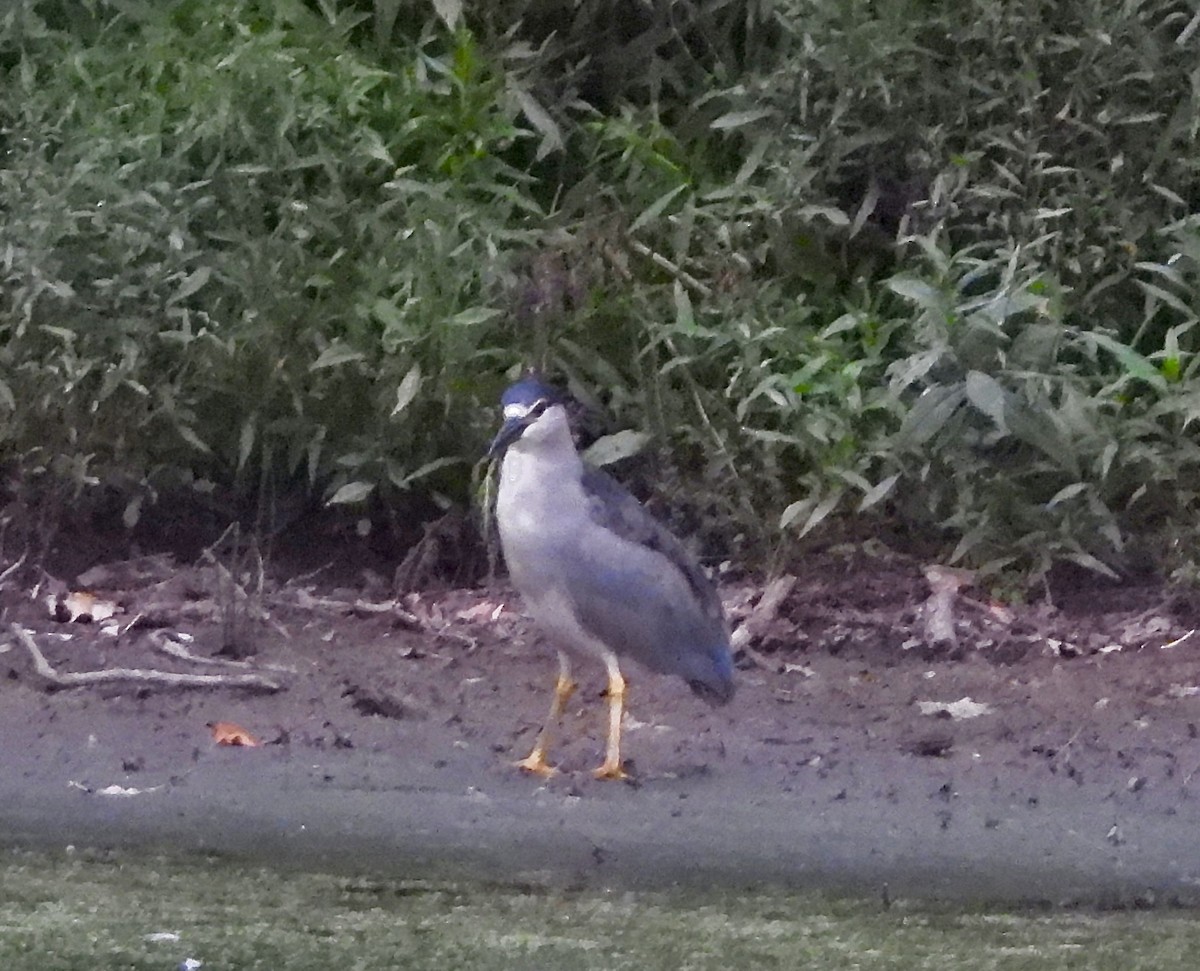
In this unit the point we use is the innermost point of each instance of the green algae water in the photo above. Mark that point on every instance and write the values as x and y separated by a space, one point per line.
107 911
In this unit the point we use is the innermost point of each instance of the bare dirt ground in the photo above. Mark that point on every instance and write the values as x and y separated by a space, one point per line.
885 738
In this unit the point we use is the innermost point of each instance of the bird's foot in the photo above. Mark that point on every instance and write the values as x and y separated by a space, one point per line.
611 770
535 763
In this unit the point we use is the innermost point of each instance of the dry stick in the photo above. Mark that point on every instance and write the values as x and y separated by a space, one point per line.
756 620
168 645
73 679
306 601
303 577
673 269
14 567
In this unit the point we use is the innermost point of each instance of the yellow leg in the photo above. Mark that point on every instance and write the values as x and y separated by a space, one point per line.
535 761
611 769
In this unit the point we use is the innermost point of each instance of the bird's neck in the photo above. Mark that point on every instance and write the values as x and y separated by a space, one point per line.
541 493
535 476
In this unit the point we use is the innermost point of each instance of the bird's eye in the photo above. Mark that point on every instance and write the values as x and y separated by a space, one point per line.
538 409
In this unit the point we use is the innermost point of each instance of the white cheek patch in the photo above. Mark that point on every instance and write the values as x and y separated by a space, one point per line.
516 410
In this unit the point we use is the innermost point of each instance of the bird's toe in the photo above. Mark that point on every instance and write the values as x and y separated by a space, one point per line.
535 763
611 771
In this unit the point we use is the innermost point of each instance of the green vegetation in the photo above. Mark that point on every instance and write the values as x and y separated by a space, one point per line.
935 263
61 914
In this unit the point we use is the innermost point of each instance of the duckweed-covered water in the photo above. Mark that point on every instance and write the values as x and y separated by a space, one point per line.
95 911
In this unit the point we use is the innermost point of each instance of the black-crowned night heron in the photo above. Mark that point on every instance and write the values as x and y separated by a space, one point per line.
598 574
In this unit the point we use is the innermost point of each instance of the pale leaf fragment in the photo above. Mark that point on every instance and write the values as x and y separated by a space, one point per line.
957 710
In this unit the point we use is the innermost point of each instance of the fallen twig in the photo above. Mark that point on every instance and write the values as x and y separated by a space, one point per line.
168 645
401 616
76 679
759 619
307 601
673 269
757 657
13 568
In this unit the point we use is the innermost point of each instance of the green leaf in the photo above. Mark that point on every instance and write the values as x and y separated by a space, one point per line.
409 386
878 492
908 370
405 481
1092 563
844 323
191 283
1135 364
739 119
388 314
350 493
552 139
335 354
1066 493
834 217
794 511
929 415
62 333
685 318
449 10
1168 298
1038 428
1106 459
654 210
373 145
192 439
133 511
613 448
245 442
987 396
918 291
823 509
753 160
774 437
474 315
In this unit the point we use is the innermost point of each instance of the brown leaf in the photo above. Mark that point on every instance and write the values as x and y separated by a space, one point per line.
81 606
227 733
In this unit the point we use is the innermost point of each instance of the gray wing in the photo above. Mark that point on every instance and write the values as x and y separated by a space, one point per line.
614 508
639 592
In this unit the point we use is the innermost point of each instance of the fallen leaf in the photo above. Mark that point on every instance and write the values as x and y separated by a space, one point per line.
1178 640
481 613
113 790
81 606
227 733
963 708
1000 612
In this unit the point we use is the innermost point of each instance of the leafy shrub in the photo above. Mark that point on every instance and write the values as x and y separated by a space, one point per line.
935 262
233 244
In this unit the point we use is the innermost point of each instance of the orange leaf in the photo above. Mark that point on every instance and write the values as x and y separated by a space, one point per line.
227 733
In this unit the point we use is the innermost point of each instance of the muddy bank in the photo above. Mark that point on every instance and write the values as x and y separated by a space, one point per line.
843 763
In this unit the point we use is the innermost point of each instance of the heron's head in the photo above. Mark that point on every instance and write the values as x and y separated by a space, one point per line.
533 413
